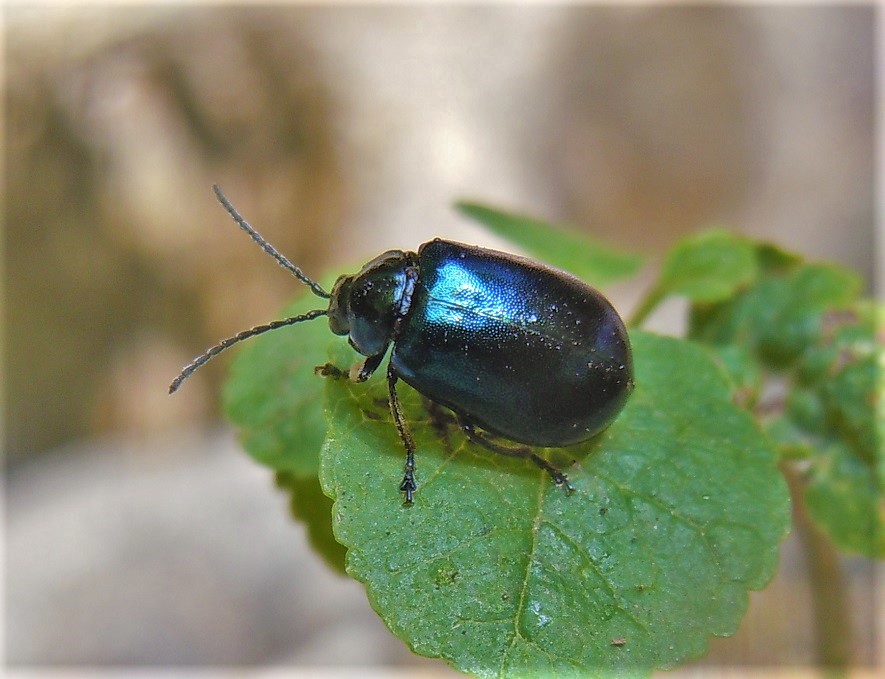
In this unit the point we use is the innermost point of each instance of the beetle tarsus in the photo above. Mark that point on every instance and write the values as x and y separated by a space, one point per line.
408 485
561 479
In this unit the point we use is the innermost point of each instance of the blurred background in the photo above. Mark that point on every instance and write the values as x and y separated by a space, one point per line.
136 532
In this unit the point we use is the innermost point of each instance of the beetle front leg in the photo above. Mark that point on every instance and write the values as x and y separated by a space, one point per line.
369 366
408 485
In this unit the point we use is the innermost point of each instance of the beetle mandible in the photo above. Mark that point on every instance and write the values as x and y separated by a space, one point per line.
512 347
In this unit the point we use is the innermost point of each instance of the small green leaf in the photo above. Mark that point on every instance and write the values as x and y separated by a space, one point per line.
678 512
845 499
793 443
804 324
800 303
850 389
781 316
709 266
774 259
589 260
806 408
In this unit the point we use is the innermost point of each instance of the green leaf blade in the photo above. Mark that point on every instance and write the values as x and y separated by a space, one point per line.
675 516
589 260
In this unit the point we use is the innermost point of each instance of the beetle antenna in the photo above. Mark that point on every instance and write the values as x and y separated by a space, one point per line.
211 353
267 247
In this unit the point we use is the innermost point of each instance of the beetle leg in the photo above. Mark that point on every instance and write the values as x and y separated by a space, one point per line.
329 370
440 419
369 366
408 485
559 478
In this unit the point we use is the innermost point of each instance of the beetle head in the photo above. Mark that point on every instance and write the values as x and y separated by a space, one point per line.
365 305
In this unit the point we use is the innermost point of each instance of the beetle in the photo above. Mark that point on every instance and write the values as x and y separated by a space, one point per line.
517 350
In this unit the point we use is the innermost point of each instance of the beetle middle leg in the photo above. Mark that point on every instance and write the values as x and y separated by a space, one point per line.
441 421
483 440
408 485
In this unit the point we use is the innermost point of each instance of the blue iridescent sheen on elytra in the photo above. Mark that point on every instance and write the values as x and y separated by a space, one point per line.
522 350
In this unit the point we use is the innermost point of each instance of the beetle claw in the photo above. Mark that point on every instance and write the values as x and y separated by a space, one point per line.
561 479
408 486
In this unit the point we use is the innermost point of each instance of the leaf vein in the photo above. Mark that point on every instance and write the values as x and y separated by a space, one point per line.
624 606
520 607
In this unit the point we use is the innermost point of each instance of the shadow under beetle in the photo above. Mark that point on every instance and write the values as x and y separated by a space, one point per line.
520 350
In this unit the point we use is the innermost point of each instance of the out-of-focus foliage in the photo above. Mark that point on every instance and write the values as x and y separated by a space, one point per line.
112 241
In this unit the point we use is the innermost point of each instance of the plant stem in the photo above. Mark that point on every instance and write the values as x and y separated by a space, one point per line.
648 304
829 595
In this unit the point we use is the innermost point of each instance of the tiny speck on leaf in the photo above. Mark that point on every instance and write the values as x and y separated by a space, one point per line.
445 575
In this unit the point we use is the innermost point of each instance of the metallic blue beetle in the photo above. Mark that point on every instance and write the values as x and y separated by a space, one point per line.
517 349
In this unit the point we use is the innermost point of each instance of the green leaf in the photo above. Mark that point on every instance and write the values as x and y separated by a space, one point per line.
709 266
773 259
850 388
806 409
589 260
743 370
781 316
678 512
273 396
793 443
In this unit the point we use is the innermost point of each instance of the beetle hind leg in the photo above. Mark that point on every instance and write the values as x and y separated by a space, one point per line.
482 439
